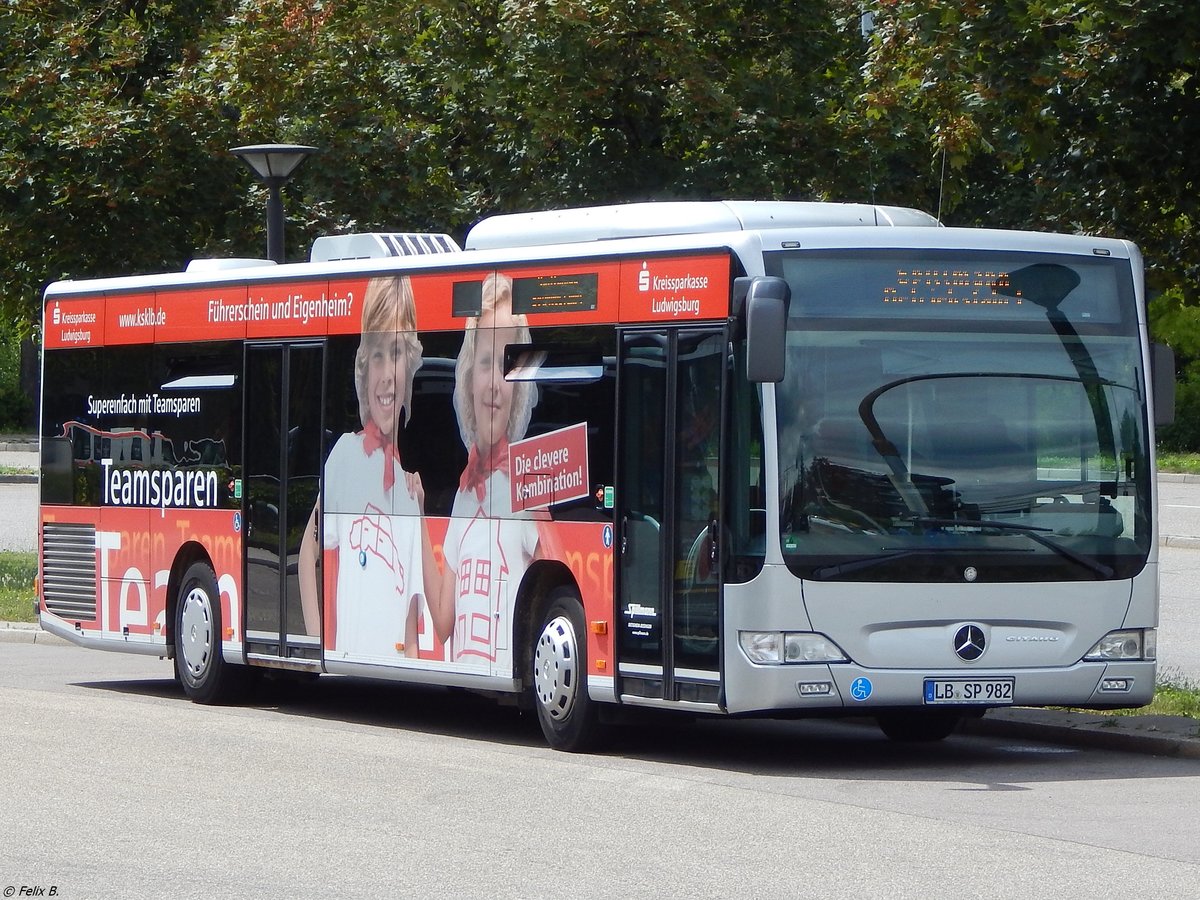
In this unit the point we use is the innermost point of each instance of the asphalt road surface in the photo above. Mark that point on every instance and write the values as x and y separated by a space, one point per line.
119 787
18 516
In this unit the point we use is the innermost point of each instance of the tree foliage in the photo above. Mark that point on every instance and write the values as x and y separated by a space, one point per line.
100 170
433 113
1071 115
116 118
1066 115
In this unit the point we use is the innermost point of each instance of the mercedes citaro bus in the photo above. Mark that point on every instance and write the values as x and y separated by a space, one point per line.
729 458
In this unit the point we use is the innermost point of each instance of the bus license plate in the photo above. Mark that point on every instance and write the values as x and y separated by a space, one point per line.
989 691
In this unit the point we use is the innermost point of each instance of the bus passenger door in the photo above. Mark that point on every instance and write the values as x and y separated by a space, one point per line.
670 387
282 451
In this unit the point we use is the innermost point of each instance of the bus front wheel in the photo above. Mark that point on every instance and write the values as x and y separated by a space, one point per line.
919 726
203 672
567 714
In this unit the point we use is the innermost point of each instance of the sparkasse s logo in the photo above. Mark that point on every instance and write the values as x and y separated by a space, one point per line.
644 278
57 315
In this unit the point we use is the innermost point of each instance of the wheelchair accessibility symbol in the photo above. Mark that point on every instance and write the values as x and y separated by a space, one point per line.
860 688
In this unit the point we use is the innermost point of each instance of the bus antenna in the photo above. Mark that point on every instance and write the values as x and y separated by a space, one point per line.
942 186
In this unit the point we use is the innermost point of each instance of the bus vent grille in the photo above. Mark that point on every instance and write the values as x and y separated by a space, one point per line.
69 570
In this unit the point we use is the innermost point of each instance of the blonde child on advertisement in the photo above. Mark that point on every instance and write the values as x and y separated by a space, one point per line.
487 547
375 508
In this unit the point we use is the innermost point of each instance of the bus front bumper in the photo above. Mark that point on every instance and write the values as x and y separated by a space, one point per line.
852 689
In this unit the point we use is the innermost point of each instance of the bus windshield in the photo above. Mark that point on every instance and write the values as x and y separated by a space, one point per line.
969 416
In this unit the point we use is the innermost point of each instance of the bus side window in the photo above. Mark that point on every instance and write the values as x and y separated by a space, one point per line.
744 500
430 443
576 384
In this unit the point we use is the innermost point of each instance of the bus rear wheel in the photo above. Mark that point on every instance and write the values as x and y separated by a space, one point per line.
203 672
568 716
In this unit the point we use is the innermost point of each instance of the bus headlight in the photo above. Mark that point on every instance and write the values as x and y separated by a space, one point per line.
789 647
1130 643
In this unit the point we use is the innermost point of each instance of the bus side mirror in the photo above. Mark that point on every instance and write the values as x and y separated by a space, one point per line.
766 329
1162 379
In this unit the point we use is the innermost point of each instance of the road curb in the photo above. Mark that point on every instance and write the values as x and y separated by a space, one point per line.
1187 541
27 633
1179 477
1175 736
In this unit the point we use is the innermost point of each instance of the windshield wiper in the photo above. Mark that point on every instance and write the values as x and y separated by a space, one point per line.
1033 532
868 562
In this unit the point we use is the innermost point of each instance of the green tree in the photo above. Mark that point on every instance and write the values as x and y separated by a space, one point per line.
1066 115
102 169
116 117
432 114
1073 115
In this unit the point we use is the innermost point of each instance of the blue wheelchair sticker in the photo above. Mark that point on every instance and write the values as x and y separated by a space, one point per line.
608 537
237 522
861 688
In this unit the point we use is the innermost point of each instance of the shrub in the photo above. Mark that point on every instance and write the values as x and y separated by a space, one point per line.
1184 433
16 408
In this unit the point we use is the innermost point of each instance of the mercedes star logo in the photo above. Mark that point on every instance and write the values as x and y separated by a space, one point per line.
969 643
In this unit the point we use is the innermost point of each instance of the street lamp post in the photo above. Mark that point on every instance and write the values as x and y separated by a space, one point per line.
274 164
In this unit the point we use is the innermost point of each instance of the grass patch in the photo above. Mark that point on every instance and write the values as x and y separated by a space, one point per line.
1181 463
17 571
1176 699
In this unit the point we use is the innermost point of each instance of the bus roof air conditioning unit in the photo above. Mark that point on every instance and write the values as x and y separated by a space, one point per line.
379 245
632 220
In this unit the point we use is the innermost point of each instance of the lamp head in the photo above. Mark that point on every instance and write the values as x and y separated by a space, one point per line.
273 162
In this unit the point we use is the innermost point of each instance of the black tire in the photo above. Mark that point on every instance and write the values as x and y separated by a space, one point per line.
919 725
568 716
202 671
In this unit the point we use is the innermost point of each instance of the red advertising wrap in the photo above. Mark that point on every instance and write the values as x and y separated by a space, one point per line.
550 468
411 444
586 548
303 309
654 289
671 288
134 552
74 322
